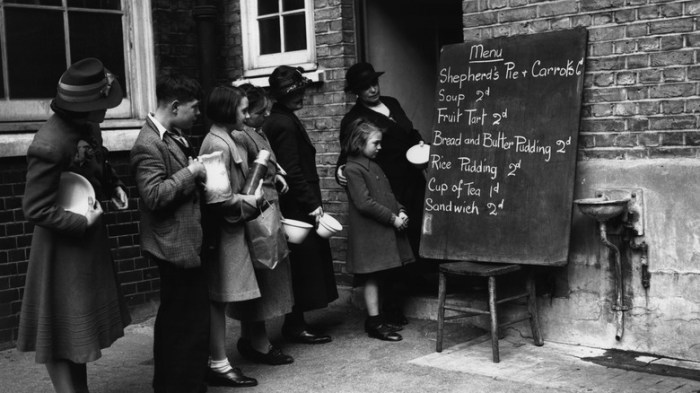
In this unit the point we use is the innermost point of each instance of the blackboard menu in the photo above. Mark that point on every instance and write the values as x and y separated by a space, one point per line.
503 149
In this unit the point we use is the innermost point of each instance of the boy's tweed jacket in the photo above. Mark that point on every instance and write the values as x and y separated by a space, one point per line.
170 202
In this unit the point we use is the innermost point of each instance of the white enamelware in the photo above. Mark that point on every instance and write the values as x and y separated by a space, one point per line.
328 226
296 230
418 155
74 192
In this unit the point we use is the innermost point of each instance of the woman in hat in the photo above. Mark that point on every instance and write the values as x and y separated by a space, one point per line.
313 279
398 135
72 306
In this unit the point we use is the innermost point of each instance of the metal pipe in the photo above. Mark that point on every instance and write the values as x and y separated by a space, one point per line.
618 307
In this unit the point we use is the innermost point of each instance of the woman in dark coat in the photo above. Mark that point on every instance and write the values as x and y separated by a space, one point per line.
72 306
313 279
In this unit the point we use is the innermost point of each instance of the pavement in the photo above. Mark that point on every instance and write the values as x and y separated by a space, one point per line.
353 362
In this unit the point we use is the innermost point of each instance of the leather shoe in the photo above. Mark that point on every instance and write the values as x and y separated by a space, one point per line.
273 357
307 337
383 332
233 378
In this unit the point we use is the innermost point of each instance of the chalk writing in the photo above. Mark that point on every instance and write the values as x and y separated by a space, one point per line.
503 149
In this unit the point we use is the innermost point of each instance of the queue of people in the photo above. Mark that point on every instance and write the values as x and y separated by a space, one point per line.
197 236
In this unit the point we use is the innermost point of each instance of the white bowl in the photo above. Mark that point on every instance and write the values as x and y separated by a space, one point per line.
296 230
328 226
418 155
74 192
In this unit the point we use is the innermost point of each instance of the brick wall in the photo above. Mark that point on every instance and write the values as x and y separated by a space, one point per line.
139 279
641 85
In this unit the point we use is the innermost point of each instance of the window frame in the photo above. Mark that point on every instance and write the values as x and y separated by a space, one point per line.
139 64
255 64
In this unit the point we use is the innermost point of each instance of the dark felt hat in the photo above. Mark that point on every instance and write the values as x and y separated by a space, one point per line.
87 86
360 76
286 80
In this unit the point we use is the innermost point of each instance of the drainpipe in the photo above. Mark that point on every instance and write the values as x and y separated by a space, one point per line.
204 13
618 307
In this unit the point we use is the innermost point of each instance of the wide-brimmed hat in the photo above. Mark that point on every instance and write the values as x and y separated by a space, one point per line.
360 76
286 80
87 86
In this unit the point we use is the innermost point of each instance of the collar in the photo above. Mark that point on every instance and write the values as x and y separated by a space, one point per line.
361 161
161 129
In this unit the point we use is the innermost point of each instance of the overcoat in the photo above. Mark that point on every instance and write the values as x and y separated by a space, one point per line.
72 305
170 209
275 285
229 269
398 135
313 278
373 242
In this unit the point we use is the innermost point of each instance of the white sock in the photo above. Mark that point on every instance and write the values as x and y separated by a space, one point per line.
220 366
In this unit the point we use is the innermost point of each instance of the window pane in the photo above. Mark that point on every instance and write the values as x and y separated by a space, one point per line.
100 36
267 7
34 72
97 4
270 36
35 2
294 32
291 5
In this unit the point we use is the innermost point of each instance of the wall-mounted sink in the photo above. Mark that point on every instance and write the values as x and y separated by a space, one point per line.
602 208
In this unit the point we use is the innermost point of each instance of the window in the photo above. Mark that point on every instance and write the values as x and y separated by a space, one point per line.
39 39
277 32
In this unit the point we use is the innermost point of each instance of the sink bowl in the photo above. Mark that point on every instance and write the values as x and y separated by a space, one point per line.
602 209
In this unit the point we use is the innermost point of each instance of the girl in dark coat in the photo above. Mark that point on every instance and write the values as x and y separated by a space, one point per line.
72 305
313 279
377 241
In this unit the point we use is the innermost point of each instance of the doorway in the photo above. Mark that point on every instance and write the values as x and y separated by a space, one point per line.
403 38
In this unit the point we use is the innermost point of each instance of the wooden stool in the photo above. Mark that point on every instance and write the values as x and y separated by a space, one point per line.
490 270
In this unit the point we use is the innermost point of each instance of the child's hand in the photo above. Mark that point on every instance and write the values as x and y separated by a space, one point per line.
399 223
258 194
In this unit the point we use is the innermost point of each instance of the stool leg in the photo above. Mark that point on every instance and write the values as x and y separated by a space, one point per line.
442 289
534 313
494 319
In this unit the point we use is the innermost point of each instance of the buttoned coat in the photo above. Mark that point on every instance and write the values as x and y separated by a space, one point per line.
171 228
373 242
229 269
72 305
398 135
313 278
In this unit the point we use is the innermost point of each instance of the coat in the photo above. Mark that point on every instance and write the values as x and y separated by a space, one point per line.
229 269
72 305
276 296
313 278
171 228
407 181
373 242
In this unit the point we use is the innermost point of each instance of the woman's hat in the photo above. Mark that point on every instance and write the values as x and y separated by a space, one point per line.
286 80
360 76
87 86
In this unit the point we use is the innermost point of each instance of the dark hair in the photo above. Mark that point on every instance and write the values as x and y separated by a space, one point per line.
256 96
360 130
172 86
222 104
